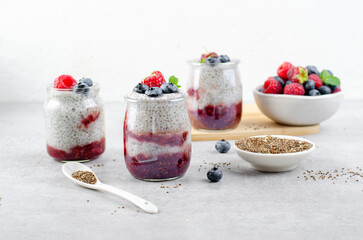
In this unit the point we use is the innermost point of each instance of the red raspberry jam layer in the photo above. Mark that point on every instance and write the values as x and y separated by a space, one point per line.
158 167
87 152
216 117
90 119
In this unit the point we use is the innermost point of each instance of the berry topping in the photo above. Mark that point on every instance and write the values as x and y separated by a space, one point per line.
208 55
214 174
312 70
314 92
64 82
283 69
309 85
87 81
294 89
279 80
81 87
224 58
140 88
169 87
272 86
316 79
324 90
154 92
222 146
298 75
156 79
212 61
338 89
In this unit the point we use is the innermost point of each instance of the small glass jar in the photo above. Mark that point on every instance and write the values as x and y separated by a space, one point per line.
215 95
74 124
157 136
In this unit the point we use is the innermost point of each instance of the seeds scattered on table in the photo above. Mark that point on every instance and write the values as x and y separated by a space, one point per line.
85 176
272 145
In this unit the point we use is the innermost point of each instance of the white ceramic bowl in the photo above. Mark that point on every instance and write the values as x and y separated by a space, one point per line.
297 110
275 162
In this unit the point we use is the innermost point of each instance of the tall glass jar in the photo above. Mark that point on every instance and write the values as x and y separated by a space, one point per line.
157 136
74 124
215 95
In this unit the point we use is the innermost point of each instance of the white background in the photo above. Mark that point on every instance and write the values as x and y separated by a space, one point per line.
117 43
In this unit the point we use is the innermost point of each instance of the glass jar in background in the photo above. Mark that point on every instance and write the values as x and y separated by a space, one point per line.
157 136
215 95
74 124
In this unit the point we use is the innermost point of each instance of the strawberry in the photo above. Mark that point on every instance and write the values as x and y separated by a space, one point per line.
156 79
64 82
297 75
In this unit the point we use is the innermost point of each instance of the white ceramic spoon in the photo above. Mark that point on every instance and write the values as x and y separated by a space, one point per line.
71 167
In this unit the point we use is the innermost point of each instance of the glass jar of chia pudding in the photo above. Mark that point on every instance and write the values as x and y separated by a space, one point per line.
157 136
215 95
74 123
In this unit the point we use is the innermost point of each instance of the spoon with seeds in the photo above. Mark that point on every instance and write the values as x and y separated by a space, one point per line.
84 176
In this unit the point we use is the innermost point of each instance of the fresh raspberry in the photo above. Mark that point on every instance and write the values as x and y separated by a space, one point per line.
272 86
283 69
156 79
208 55
338 89
64 82
294 89
297 75
316 79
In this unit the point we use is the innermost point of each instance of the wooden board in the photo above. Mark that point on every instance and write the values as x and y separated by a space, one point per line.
254 123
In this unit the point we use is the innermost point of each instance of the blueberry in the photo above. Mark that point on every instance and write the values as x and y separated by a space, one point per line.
324 90
169 87
224 58
222 146
154 92
81 88
332 87
141 88
314 92
309 85
214 174
212 61
312 70
87 81
288 82
280 80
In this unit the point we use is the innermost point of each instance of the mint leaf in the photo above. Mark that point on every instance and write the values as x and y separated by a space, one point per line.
174 80
331 80
324 74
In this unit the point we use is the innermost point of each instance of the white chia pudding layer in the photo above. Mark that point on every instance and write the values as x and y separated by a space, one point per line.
216 85
164 114
135 147
64 113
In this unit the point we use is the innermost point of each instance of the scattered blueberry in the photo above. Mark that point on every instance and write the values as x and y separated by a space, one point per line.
309 85
314 92
141 88
288 82
169 87
312 70
280 80
87 81
324 90
81 87
214 174
212 61
154 92
222 146
224 58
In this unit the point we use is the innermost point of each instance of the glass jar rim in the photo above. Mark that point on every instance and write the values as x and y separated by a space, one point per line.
196 62
182 97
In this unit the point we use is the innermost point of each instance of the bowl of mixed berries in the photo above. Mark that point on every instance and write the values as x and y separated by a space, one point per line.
299 96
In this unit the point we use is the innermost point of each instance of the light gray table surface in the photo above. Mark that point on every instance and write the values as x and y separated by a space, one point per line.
38 202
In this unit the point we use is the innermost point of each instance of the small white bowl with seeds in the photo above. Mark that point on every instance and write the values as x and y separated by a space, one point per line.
273 153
